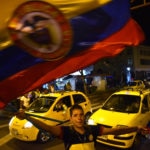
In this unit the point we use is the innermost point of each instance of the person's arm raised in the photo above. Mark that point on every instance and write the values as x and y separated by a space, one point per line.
123 130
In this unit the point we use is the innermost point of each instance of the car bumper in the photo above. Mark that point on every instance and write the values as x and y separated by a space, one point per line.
122 141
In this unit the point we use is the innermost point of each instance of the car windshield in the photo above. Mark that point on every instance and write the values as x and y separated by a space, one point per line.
41 104
123 103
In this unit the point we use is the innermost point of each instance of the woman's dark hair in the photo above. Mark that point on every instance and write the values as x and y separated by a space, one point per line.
76 106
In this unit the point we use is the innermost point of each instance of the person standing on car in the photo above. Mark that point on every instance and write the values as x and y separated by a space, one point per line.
78 135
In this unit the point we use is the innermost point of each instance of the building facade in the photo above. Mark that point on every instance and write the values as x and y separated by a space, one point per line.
141 61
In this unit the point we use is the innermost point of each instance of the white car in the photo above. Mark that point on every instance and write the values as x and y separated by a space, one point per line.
53 109
122 109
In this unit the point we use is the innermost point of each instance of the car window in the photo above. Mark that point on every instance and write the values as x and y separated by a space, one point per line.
78 98
123 103
41 104
63 104
67 101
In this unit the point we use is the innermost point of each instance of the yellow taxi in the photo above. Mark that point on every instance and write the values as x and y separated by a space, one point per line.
51 108
122 109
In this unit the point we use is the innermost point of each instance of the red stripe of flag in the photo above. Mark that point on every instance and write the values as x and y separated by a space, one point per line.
33 77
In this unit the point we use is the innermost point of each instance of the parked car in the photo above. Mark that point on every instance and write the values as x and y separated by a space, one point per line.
136 84
122 109
53 109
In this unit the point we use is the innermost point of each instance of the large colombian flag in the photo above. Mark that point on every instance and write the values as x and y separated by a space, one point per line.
44 40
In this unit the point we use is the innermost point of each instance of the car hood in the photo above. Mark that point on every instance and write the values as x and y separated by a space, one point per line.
112 118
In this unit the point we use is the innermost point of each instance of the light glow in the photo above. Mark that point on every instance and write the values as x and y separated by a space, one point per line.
28 124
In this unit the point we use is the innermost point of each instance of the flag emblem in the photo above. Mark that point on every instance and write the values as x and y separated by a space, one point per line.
41 29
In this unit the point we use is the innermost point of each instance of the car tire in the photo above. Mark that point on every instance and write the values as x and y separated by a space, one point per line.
87 116
44 137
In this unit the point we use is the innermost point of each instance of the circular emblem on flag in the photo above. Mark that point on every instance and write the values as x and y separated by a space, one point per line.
41 29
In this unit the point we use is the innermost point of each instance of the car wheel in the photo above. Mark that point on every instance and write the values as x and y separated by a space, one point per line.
87 116
44 137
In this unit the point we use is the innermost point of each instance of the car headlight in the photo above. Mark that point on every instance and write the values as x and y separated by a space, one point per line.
91 122
28 124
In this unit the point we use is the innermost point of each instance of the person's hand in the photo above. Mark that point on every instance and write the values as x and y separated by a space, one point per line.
143 130
21 114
